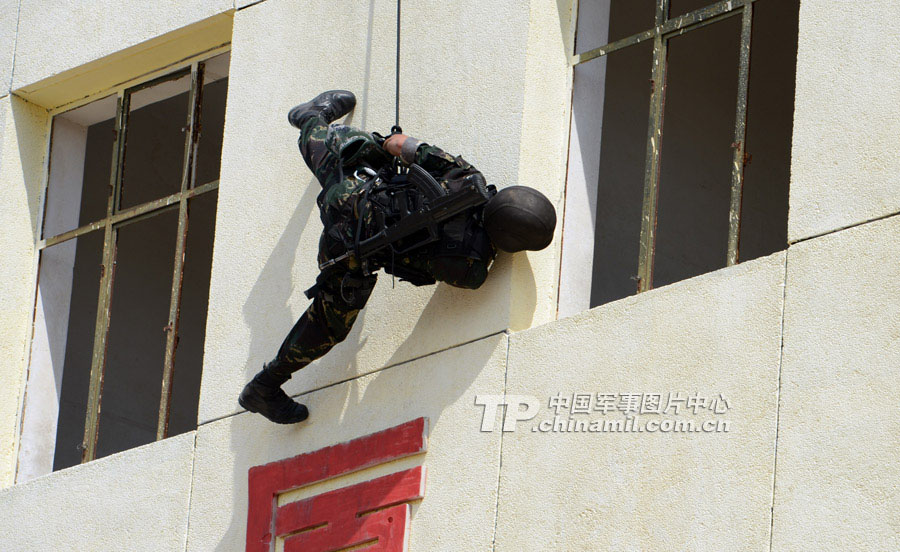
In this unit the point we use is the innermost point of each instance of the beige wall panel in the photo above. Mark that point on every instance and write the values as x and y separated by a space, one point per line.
268 225
23 146
847 116
58 35
717 333
9 17
462 463
839 429
135 500
132 65
544 153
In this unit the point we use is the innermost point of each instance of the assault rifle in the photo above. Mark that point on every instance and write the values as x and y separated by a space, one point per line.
409 209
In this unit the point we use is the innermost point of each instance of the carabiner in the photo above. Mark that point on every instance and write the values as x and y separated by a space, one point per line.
367 170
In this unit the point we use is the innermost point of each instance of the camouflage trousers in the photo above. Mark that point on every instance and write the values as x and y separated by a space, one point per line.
341 290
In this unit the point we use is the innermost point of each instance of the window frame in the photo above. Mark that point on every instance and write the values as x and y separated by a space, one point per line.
664 29
116 218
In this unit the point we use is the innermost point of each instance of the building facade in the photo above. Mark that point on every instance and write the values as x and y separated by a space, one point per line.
706 365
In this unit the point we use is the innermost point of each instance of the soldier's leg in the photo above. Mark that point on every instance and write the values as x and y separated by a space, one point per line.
313 118
338 297
313 148
320 144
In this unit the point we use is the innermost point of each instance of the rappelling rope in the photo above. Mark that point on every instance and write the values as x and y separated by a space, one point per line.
396 128
397 73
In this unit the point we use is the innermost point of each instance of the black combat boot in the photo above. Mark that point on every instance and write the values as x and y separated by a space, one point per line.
264 395
331 105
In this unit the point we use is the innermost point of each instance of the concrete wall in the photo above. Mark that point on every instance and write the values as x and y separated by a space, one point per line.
267 195
839 430
845 162
801 343
24 129
137 500
51 38
715 334
53 302
56 65
9 20
463 463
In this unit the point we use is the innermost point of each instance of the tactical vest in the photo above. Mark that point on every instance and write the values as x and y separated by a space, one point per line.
462 255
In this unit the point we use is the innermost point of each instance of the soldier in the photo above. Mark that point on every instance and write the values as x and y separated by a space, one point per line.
342 158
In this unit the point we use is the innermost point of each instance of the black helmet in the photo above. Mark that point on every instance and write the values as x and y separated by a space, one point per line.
518 218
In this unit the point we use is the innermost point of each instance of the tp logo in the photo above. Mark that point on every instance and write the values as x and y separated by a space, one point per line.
371 516
513 407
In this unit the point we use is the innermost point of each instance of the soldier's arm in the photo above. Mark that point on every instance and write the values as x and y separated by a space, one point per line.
411 150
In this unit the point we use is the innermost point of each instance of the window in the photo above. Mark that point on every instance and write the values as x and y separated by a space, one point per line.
125 258
679 157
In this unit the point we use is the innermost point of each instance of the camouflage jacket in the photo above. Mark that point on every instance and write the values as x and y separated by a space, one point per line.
341 172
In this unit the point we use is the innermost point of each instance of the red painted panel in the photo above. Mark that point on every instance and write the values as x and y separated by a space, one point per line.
266 482
386 531
350 502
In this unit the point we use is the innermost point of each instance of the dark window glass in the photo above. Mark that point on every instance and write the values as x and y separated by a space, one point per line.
697 148
681 7
154 149
136 347
620 185
770 120
212 123
628 17
142 263
194 303
604 21
70 278
697 157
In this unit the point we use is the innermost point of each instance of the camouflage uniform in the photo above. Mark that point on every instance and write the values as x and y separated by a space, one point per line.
334 153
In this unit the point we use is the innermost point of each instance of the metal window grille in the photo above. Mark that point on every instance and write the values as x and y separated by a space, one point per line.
115 219
664 29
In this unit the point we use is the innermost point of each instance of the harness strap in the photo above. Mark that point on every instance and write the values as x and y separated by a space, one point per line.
362 206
